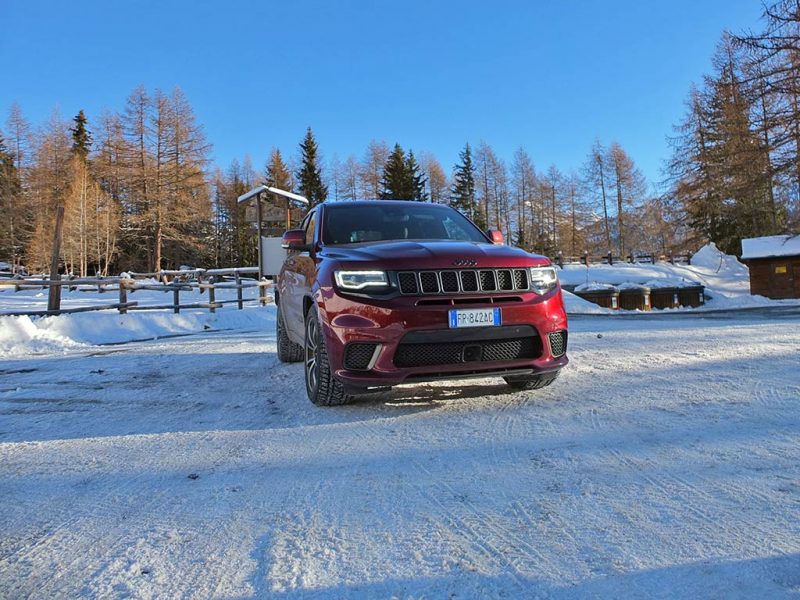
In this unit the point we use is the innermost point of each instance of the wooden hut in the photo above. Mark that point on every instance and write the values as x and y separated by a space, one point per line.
774 263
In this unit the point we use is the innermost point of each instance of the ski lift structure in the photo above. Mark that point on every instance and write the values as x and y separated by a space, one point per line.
270 253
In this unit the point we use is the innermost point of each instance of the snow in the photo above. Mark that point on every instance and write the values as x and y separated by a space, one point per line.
20 336
595 287
772 245
665 462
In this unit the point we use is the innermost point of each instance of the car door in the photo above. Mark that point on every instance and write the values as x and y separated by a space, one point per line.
298 276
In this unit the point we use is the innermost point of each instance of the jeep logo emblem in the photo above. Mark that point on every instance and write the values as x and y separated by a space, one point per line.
465 262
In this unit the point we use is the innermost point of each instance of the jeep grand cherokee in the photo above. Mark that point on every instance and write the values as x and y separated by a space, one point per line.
378 293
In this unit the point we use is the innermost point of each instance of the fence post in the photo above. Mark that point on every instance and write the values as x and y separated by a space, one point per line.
239 290
211 299
123 297
610 258
54 297
176 297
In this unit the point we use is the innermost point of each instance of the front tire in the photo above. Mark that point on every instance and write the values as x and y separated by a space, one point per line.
322 387
532 382
288 351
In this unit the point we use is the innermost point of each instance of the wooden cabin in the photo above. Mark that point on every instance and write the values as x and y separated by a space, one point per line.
774 263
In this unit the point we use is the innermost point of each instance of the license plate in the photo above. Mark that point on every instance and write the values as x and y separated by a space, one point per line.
475 317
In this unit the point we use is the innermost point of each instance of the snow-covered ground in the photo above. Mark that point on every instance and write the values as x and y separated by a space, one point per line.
665 462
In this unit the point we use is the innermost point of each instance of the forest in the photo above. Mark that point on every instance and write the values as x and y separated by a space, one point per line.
140 191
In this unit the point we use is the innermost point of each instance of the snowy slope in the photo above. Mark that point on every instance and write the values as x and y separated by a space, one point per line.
194 467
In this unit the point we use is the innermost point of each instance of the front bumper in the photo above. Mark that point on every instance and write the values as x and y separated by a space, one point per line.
414 320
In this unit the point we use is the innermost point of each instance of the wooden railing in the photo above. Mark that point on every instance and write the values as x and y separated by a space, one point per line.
610 259
205 280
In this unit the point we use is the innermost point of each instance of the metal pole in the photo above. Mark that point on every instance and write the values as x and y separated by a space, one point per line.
260 246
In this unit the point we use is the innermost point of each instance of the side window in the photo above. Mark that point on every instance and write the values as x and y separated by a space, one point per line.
311 226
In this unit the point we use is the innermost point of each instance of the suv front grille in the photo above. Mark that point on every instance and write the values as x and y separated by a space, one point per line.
467 281
558 343
451 353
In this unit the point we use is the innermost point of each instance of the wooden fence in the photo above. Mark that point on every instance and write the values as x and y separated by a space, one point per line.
207 281
610 259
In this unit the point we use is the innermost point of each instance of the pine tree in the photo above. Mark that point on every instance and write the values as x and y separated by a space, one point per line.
309 176
9 200
81 136
416 180
462 194
396 184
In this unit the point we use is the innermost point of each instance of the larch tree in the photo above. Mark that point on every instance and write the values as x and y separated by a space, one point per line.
523 184
629 188
277 173
436 178
372 168
596 177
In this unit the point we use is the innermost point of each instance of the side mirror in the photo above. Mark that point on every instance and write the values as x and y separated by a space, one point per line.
295 239
495 236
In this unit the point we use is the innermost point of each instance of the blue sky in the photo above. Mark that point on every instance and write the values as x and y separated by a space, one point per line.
550 76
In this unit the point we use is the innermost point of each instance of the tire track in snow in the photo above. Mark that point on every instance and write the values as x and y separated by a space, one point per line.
474 526
669 484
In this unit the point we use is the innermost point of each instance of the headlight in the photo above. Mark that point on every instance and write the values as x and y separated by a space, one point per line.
358 280
543 279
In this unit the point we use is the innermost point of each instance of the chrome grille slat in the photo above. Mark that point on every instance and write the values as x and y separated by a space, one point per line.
462 281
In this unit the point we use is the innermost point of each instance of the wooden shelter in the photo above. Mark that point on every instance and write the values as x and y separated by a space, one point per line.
774 263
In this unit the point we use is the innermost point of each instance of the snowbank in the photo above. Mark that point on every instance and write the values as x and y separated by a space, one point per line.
21 336
711 257
576 305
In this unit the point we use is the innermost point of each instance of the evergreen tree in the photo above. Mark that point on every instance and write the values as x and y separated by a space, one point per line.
416 179
309 176
81 136
9 195
462 194
396 183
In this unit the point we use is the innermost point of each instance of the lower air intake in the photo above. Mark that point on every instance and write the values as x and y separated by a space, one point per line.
358 356
451 353
558 343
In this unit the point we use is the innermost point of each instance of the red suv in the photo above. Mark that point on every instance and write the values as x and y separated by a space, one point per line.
378 293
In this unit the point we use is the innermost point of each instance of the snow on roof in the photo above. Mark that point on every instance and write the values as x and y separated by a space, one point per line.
771 245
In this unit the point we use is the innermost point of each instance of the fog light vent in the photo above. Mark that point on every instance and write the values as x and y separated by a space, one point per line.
358 356
558 343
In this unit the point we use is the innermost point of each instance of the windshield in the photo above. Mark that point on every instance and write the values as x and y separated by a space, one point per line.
352 224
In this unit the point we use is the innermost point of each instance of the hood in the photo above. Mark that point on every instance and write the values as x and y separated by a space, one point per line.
407 254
